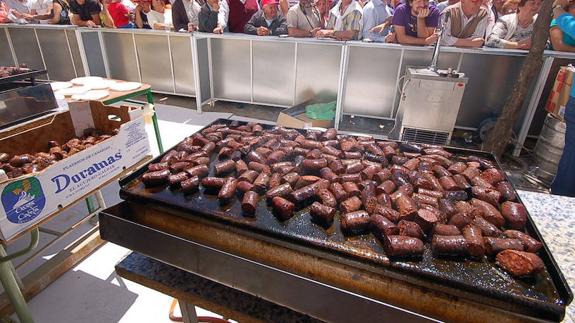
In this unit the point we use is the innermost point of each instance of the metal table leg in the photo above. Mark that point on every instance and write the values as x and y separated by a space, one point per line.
188 310
11 285
150 100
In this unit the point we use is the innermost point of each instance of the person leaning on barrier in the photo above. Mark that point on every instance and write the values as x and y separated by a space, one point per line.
141 14
414 23
564 182
212 17
267 21
344 22
303 20
160 17
120 14
377 16
561 38
236 14
85 13
466 24
323 7
59 14
514 31
185 15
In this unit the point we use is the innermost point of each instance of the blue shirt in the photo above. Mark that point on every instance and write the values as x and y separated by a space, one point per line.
566 22
375 13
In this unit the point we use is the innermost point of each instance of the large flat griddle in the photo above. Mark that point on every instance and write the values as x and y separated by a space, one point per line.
544 296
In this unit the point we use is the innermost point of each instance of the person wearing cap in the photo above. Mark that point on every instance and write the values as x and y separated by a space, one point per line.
344 22
234 14
185 15
267 21
212 17
466 24
303 20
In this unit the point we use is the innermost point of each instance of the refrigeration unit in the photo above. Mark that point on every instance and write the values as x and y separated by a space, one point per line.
429 104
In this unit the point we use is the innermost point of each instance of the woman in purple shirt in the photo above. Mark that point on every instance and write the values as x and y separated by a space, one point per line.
414 23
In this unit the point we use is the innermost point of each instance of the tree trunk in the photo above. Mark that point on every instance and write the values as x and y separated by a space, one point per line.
500 135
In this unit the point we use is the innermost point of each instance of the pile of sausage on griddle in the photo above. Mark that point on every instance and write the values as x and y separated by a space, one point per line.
18 165
404 194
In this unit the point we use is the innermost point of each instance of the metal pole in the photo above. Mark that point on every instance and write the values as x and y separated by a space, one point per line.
150 99
10 283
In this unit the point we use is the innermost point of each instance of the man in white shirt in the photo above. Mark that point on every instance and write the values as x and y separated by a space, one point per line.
466 24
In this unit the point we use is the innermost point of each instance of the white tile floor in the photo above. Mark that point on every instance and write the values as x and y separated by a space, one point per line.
92 292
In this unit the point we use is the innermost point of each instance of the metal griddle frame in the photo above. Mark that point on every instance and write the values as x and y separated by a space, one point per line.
539 309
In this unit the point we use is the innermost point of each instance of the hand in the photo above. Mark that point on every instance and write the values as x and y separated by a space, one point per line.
524 44
262 31
379 28
390 38
431 39
423 13
561 3
90 24
16 13
192 27
322 33
218 30
314 31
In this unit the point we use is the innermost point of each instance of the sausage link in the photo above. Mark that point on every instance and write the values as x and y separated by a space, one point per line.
402 246
356 222
529 243
474 238
448 245
519 263
156 178
382 226
190 185
228 190
282 190
250 202
446 230
224 167
515 214
322 213
410 229
282 208
494 246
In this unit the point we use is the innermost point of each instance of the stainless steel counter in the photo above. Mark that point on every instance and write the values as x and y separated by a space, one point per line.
363 77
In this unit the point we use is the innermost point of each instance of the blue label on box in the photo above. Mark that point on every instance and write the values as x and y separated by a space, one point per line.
23 200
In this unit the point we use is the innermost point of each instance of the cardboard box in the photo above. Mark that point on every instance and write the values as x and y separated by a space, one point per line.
30 199
561 92
295 117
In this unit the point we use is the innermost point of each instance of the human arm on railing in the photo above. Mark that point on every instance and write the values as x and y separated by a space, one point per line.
282 29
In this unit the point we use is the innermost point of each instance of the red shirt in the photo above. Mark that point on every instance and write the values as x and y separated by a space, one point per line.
119 14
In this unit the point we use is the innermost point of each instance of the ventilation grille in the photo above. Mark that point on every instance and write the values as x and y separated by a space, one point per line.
425 136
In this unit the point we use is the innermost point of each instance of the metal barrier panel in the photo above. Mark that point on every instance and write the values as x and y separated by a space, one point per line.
94 52
371 80
26 47
56 53
231 69
203 69
6 58
154 60
273 72
181 50
313 78
75 52
491 80
121 56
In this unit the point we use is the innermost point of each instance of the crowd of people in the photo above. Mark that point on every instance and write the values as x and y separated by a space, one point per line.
468 23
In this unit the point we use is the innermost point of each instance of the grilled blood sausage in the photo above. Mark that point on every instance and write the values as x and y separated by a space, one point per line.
250 202
382 226
446 230
355 222
322 214
495 245
474 238
190 185
448 245
515 214
529 243
156 178
402 246
283 208
519 263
